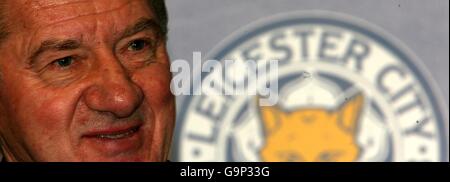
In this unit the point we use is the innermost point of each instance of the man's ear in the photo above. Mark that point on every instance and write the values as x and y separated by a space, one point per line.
271 117
349 112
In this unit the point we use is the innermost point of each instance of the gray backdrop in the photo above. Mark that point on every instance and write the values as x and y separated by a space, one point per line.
422 25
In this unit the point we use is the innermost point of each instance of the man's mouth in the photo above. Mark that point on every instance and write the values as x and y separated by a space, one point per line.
115 142
113 134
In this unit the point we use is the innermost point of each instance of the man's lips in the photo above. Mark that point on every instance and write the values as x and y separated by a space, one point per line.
113 133
123 141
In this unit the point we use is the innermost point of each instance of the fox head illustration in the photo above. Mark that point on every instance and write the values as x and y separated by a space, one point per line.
312 134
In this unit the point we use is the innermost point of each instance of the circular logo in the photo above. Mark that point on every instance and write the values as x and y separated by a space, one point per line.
347 92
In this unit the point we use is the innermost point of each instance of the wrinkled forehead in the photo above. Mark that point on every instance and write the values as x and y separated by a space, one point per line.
41 13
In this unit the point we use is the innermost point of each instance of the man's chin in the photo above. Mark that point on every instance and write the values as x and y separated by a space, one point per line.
126 158
135 156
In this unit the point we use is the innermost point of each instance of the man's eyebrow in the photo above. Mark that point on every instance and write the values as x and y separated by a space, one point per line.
53 44
141 25
60 45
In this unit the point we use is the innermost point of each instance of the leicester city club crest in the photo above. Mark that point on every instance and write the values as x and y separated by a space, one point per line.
347 91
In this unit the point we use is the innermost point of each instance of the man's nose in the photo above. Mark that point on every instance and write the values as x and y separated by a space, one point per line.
115 92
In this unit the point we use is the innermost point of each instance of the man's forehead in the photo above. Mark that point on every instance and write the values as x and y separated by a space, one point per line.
39 4
53 3
84 20
54 11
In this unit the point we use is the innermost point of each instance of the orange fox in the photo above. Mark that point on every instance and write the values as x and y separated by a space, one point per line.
312 134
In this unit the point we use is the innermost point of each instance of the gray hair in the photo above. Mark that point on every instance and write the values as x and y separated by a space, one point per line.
158 7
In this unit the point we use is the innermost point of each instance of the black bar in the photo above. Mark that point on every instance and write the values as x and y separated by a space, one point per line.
228 171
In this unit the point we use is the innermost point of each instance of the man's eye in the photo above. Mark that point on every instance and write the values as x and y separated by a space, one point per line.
137 45
64 62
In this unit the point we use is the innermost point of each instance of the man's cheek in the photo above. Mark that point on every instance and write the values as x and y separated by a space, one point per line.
155 83
54 111
41 121
49 116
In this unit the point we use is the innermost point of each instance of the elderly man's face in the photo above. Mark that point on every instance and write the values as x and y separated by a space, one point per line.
84 81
